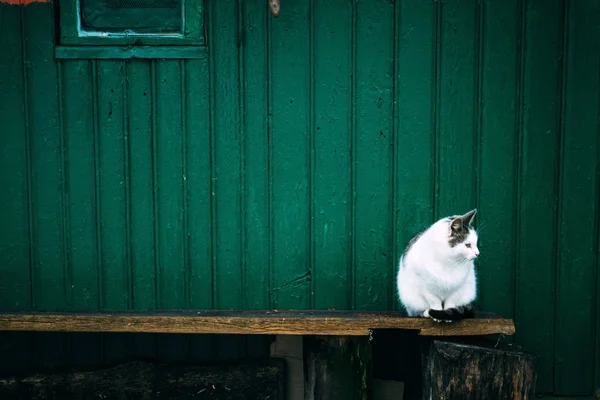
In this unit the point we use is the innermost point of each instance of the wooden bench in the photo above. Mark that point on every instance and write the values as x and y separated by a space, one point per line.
337 351
337 323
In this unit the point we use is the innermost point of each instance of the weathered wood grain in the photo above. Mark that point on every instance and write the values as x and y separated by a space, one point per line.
457 370
350 323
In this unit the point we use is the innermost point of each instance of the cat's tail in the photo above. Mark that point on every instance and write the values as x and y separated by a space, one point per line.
453 314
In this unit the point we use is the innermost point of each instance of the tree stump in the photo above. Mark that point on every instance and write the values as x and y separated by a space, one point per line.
336 367
460 370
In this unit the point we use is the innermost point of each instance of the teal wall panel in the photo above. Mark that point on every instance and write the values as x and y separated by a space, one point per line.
331 150
499 110
15 234
538 182
415 120
577 241
372 150
289 167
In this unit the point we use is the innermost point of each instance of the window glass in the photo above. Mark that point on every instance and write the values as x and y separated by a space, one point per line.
132 16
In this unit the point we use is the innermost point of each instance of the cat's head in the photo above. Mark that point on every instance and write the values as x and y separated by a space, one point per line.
462 237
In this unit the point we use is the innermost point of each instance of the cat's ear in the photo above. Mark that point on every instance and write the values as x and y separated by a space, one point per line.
468 217
456 224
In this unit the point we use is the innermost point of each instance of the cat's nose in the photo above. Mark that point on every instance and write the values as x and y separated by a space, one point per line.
476 253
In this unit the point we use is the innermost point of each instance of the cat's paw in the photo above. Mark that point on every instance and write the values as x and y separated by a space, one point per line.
440 315
435 317
439 321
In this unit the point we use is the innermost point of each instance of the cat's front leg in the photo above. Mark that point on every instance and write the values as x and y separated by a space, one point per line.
434 302
459 304
464 296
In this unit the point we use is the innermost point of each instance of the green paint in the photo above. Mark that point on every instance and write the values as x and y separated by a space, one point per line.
197 192
196 181
79 132
49 263
537 184
287 163
457 126
372 154
331 149
112 184
15 246
498 102
170 208
112 208
414 118
80 173
578 175
123 52
142 253
255 147
226 167
169 177
290 137
140 95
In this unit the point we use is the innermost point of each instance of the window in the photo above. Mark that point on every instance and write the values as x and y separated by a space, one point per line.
119 17
131 22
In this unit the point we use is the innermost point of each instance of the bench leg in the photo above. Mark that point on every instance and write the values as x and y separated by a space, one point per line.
465 370
336 367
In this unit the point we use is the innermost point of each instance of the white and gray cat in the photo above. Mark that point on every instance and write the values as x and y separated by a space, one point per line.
436 273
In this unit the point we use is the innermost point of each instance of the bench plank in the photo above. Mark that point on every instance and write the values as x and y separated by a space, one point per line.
349 323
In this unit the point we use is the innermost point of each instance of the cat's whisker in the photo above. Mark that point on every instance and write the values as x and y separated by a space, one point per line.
480 227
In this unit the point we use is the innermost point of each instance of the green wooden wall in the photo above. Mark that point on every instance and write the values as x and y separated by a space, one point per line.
289 166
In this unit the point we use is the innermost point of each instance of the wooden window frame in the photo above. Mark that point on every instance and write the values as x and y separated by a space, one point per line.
71 34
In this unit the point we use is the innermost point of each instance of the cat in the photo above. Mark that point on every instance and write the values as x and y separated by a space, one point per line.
436 272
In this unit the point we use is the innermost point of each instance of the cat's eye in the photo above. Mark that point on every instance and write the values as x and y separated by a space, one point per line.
468 245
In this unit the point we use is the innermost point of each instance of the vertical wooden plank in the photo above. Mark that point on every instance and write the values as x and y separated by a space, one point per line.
256 141
534 303
290 158
228 278
79 142
15 289
171 274
255 168
15 245
227 156
112 197
577 242
373 153
457 108
414 141
331 181
44 131
499 140
80 137
140 87
49 277
198 178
